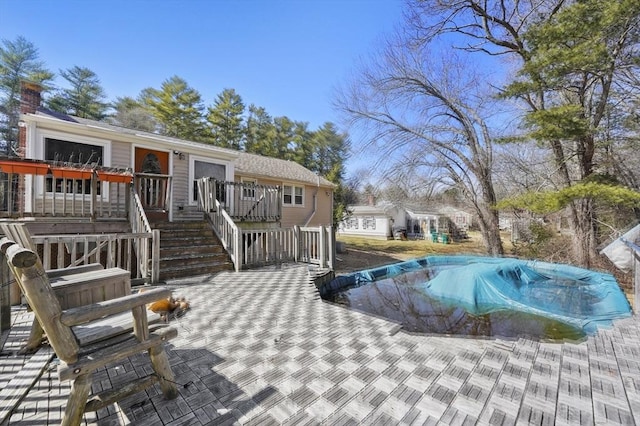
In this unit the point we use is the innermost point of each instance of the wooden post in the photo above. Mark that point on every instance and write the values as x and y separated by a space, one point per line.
322 246
77 400
94 195
155 256
161 366
44 303
5 294
239 249
296 243
128 198
332 247
140 323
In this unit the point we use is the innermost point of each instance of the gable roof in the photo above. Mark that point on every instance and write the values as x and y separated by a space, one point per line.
378 209
269 167
245 163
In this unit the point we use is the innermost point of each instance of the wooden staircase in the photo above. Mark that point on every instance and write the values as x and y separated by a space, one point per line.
190 248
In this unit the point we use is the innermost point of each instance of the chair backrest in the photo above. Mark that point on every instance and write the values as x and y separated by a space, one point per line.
19 233
32 279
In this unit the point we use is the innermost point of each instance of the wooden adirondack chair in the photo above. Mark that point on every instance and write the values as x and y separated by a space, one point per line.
74 286
86 338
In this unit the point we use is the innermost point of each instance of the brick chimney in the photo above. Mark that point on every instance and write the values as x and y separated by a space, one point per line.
371 199
30 99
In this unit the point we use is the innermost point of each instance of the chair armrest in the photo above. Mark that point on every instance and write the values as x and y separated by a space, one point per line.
55 273
82 314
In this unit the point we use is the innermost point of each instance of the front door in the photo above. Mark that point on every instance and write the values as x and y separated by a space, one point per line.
153 182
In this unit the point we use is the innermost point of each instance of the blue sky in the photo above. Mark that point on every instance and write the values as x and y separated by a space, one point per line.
286 56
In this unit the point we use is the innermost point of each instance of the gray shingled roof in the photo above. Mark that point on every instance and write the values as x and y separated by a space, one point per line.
123 130
258 165
248 164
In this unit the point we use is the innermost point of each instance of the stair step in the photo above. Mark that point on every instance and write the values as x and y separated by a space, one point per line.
190 259
190 248
189 242
181 225
184 233
181 249
184 271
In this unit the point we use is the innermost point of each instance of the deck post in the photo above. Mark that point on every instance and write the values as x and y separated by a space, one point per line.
5 294
296 243
239 249
128 198
332 247
155 256
322 246
94 196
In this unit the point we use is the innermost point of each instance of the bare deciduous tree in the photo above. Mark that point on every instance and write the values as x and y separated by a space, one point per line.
571 59
427 118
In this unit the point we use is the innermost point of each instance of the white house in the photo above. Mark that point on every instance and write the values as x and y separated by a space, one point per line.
376 221
381 220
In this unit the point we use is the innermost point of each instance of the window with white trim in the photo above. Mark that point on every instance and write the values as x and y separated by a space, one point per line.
292 195
202 169
75 153
248 188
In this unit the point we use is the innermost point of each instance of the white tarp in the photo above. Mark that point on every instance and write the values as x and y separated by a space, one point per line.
620 253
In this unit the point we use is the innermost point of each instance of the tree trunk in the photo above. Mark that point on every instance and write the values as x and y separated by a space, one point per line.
489 217
490 231
583 232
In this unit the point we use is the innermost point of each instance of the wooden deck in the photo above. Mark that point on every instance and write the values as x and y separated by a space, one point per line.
260 347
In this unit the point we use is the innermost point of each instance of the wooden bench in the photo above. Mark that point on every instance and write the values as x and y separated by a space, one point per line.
74 286
89 337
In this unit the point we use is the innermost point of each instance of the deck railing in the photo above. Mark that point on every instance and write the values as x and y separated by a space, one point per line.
47 189
111 250
311 245
222 224
315 246
243 201
256 247
147 250
154 190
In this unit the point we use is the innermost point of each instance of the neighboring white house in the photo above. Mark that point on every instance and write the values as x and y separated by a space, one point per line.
372 221
421 224
381 220
460 218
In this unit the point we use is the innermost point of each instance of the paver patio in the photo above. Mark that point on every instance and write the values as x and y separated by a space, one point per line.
261 347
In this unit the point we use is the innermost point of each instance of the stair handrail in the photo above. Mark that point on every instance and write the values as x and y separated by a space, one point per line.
225 229
148 257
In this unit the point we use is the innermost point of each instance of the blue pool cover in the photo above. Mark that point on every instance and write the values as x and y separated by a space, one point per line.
481 285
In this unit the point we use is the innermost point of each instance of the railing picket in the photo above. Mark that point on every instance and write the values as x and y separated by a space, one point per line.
117 248
44 196
60 254
74 253
100 206
64 197
128 258
46 255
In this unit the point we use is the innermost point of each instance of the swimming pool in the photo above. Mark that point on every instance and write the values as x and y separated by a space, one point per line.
483 296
